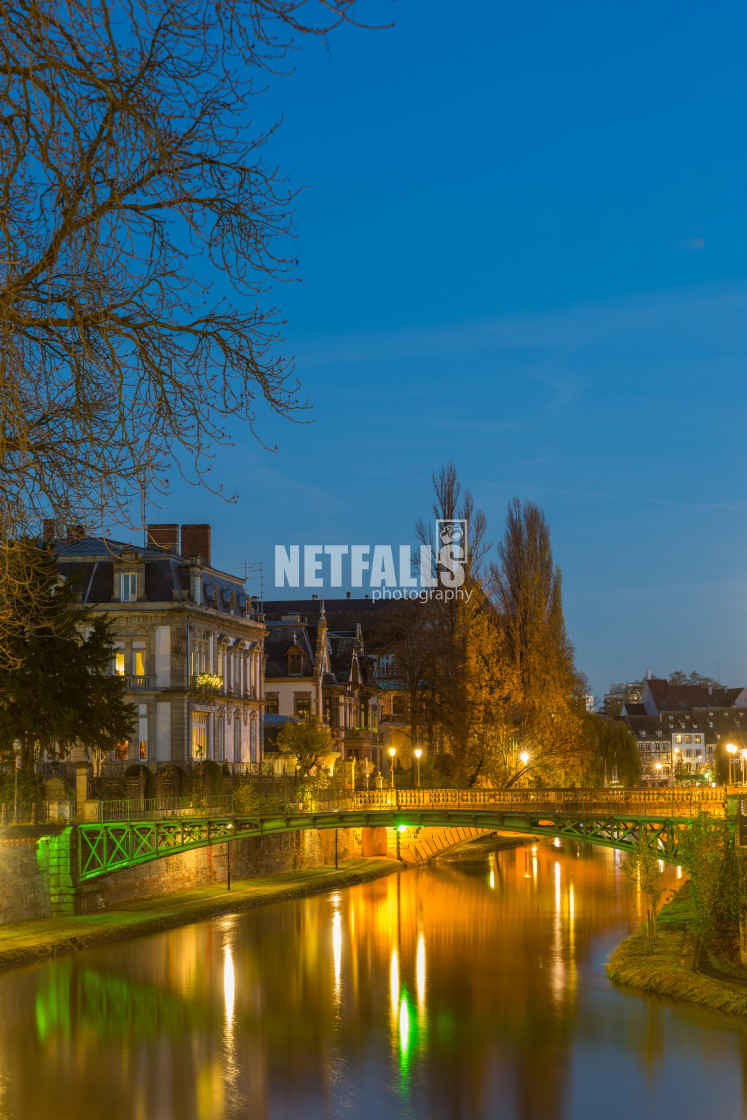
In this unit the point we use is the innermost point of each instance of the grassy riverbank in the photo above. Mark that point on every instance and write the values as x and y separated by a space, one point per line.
677 967
27 942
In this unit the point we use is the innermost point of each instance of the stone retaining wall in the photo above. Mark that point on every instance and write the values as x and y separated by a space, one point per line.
24 881
251 857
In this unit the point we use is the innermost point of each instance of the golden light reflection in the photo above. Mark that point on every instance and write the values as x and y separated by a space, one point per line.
337 949
570 901
557 887
534 867
492 879
229 985
420 968
679 872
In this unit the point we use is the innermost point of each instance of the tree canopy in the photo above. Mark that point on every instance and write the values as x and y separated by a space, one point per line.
308 741
133 194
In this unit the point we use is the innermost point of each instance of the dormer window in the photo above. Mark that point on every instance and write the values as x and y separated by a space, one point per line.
128 587
196 589
295 664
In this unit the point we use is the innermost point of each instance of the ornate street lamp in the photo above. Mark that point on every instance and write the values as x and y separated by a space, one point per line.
732 751
418 753
392 753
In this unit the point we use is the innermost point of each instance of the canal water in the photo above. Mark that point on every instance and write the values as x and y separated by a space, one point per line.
473 990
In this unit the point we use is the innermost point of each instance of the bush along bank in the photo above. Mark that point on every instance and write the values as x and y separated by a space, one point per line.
695 952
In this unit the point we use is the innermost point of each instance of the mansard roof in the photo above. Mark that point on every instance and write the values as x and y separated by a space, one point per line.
91 561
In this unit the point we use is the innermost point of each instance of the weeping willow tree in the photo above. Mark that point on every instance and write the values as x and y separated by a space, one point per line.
609 752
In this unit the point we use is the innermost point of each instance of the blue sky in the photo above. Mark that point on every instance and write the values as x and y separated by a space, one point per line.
523 247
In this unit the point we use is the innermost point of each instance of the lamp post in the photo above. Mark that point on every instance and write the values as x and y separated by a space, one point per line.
658 770
732 751
418 753
392 753
17 748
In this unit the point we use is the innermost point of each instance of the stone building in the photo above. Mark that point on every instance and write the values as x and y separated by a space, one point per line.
187 642
312 669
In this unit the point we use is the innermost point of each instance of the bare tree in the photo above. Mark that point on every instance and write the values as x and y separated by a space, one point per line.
132 184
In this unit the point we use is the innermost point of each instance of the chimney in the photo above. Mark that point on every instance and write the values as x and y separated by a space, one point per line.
648 674
196 542
75 533
164 536
49 525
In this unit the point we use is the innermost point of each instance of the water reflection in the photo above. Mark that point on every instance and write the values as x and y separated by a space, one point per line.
471 990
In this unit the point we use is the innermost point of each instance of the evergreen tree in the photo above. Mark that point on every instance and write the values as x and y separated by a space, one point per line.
56 686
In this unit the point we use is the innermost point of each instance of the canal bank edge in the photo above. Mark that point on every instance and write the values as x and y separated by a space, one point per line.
672 967
29 942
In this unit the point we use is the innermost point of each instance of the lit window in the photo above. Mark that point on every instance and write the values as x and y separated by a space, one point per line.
678 738
303 705
138 659
272 706
129 587
199 735
121 750
119 662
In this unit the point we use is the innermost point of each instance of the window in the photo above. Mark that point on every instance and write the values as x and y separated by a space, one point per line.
199 657
199 735
138 659
303 706
678 738
196 590
128 585
295 664
328 710
142 731
121 751
220 751
272 706
688 739
399 704
119 661
237 737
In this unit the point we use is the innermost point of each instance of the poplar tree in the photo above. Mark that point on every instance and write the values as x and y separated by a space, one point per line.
546 689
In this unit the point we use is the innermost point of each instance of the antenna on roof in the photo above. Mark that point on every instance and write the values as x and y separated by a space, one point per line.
257 573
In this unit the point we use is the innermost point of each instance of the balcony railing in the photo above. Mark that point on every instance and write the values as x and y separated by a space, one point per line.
145 681
209 684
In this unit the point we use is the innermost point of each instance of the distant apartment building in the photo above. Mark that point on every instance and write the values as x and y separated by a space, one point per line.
679 728
187 643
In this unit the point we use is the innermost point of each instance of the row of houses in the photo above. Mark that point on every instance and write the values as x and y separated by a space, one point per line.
213 673
679 728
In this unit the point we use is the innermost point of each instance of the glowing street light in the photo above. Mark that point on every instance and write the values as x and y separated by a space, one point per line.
392 752
732 751
418 753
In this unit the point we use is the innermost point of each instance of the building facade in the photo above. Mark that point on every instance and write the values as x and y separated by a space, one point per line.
187 642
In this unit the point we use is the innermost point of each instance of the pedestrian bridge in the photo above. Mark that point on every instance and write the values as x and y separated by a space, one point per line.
613 818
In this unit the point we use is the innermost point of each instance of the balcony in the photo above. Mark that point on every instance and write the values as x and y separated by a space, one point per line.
133 683
207 684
